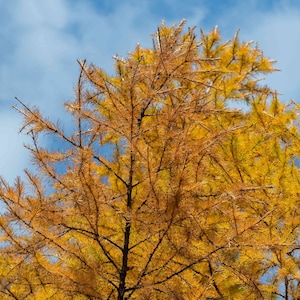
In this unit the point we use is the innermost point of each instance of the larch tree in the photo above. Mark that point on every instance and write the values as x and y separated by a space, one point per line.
163 189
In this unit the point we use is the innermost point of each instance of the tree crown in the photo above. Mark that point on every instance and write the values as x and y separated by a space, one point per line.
163 190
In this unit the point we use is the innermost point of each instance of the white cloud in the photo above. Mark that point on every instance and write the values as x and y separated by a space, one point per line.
35 66
280 39
276 29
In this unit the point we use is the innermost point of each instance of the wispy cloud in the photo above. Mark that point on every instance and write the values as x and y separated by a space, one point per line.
279 37
41 40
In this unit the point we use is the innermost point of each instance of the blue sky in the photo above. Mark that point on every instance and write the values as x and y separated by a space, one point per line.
40 41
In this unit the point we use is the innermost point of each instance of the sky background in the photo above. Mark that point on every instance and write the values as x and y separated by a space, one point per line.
40 41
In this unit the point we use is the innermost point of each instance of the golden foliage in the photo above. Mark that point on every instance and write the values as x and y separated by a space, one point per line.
163 190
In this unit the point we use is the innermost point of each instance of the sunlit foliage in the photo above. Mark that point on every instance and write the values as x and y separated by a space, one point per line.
179 180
